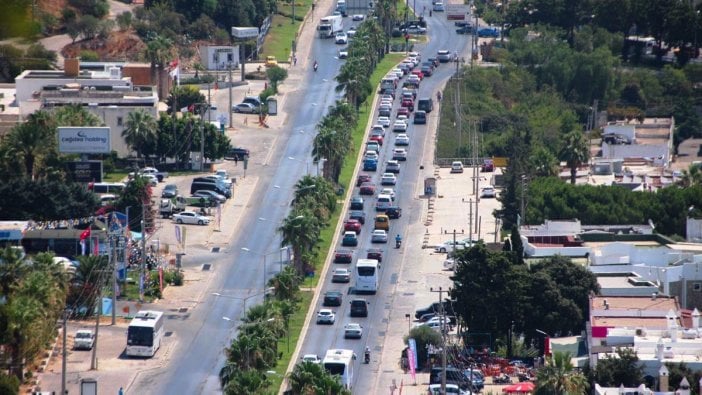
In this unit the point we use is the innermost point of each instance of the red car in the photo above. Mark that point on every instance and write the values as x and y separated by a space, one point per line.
352 225
375 253
408 103
377 138
403 111
367 189
362 178
419 74
343 256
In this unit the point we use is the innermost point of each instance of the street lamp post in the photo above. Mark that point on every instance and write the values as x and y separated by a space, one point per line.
244 299
265 258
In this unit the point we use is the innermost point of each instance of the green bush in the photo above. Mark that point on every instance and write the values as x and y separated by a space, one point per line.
89 56
9 384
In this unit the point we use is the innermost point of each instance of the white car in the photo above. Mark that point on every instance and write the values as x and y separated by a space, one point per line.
312 358
387 98
449 246
402 117
398 72
379 236
341 38
353 331
384 121
399 154
326 316
415 55
451 389
385 103
388 179
371 155
351 32
358 17
343 53
388 191
379 129
341 276
416 30
84 339
190 217
456 167
488 192
399 126
413 78
450 264
402 139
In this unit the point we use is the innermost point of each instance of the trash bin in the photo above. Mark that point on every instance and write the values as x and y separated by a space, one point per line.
272 103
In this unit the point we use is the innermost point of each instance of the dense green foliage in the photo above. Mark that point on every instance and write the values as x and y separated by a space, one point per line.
623 368
424 336
44 200
493 291
559 376
34 294
549 198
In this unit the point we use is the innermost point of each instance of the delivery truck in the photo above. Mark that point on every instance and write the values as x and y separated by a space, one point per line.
329 26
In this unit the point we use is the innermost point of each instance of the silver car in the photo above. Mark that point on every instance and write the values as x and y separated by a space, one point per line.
190 217
379 236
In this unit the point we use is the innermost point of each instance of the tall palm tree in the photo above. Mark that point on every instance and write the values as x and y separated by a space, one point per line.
32 140
311 378
320 191
286 284
574 152
140 131
301 231
12 270
558 376
691 176
159 50
246 382
76 115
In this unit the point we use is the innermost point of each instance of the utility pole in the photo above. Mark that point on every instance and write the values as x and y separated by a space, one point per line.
63 354
94 361
202 145
521 203
230 91
476 172
143 254
113 263
209 104
442 323
470 220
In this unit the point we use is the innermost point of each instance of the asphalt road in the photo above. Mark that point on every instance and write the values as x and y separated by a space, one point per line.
320 338
197 359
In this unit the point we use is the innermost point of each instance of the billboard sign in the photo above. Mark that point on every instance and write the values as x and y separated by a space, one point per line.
84 140
85 171
244 32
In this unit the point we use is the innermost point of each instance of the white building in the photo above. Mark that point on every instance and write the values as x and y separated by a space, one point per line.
649 142
218 57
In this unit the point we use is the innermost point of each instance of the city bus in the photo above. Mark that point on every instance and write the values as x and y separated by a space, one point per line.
339 362
367 275
144 334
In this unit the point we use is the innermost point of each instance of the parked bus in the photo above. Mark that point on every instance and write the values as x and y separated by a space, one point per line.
339 362
145 333
367 275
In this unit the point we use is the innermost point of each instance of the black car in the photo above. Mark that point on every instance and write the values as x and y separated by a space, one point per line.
237 153
170 191
332 298
393 212
359 215
356 203
427 71
435 61
388 91
462 23
435 308
464 30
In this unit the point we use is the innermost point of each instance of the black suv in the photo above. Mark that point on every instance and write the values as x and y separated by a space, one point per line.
332 298
435 308
236 153
393 212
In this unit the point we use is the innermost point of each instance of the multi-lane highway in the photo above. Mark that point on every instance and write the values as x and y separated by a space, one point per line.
198 355
320 338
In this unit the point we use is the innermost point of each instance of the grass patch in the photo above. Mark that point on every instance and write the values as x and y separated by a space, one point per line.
116 176
297 320
365 111
278 41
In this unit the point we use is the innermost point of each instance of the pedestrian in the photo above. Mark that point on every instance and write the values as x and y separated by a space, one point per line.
121 391
429 12
236 160
294 60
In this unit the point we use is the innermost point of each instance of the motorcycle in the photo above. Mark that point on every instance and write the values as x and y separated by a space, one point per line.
315 66
398 243
367 357
504 379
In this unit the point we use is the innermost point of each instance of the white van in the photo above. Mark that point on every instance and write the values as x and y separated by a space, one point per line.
383 202
456 167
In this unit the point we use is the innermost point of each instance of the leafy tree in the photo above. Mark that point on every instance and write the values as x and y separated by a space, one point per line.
89 26
203 28
89 277
75 115
558 376
301 231
246 382
678 371
45 200
184 97
621 369
32 140
124 20
515 246
135 195
423 336
276 75
9 384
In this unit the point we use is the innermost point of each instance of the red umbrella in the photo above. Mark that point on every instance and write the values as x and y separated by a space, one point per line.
519 388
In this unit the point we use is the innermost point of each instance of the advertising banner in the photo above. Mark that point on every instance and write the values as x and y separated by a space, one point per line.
84 140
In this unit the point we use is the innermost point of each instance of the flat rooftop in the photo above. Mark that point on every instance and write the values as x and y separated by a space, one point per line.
660 303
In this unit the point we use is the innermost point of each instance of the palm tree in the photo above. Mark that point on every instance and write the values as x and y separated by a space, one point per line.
246 382
301 231
311 378
140 131
76 115
159 50
558 376
543 163
90 275
32 140
12 270
353 80
691 176
286 284
574 152
319 192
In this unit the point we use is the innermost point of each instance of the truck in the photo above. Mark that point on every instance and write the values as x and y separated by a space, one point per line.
329 26
457 12
168 207
341 7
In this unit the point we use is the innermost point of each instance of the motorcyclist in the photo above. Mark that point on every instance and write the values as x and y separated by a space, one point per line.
398 240
315 65
367 354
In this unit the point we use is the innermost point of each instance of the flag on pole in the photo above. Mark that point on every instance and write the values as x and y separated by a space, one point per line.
411 358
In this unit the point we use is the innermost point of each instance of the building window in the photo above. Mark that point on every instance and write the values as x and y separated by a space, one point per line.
119 121
697 287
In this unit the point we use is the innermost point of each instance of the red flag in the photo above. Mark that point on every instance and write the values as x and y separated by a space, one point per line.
85 234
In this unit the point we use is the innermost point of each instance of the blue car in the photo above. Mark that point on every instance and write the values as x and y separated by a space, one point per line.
488 32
